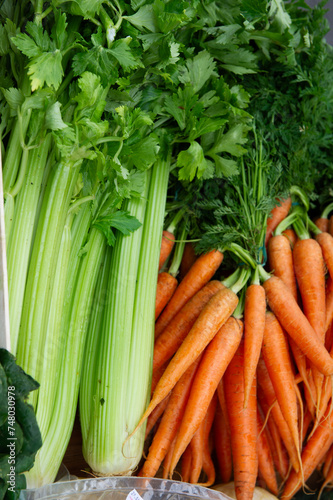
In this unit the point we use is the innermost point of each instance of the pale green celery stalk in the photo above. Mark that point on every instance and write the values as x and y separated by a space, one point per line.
60 312
93 342
53 348
13 154
49 457
108 374
42 268
121 375
21 235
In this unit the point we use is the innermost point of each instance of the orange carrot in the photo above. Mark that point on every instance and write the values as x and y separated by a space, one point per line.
167 243
310 394
280 258
322 223
328 480
314 450
329 303
307 420
188 260
166 286
243 426
207 462
222 445
325 241
291 236
277 215
196 444
310 275
155 415
254 325
279 452
328 462
157 374
275 353
301 363
292 319
329 337
265 458
170 422
167 460
265 385
215 360
173 335
223 403
186 464
198 275
330 225
211 319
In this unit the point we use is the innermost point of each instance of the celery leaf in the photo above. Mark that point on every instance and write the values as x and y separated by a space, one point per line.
119 220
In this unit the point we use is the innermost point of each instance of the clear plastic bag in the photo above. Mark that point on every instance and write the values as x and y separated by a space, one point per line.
119 488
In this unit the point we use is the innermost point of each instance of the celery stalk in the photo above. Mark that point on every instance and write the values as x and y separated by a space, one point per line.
49 457
42 268
75 235
21 236
93 341
119 378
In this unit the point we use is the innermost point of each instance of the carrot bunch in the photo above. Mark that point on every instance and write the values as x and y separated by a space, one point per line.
242 368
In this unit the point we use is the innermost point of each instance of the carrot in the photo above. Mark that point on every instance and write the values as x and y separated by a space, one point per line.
207 423
209 469
310 275
295 323
207 463
196 444
328 462
167 460
167 243
215 360
265 385
155 415
170 422
186 464
314 450
280 259
198 275
322 223
277 215
330 225
279 452
166 286
301 363
173 335
325 241
265 457
291 236
328 480
222 445
243 427
188 259
307 421
329 303
211 319
157 374
223 403
310 394
329 337
275 353
254 325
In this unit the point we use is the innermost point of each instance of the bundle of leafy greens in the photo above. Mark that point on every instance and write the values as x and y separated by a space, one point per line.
20 437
